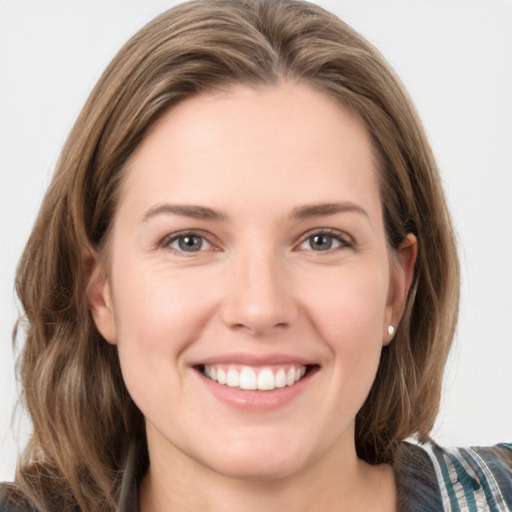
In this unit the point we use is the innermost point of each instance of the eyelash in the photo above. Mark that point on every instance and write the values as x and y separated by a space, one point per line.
338 236
334 234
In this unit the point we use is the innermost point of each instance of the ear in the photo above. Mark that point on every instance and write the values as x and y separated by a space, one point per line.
402 273
98 296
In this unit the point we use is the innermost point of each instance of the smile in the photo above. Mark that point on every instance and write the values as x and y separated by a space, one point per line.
250 378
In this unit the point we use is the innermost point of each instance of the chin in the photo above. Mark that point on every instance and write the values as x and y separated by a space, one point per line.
262 469
259 461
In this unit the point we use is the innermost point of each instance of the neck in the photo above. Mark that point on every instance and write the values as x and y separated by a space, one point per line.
337 482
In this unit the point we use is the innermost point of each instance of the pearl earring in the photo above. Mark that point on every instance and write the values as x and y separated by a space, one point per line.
391 330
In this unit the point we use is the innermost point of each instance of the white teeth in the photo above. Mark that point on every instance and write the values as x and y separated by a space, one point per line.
233 378
246 377
290 377
280 379
221 376
266 380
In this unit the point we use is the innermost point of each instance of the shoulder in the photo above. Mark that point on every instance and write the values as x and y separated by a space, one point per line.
416 480
478 478
464 479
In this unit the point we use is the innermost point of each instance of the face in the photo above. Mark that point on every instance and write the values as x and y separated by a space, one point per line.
250 286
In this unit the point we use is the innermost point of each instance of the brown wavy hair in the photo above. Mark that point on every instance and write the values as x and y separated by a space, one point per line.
85 425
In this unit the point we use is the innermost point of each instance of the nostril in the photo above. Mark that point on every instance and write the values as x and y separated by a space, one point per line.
259 308
258 327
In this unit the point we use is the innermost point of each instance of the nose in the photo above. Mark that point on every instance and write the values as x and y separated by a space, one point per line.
260 298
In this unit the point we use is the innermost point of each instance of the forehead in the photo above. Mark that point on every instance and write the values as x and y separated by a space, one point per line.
288 143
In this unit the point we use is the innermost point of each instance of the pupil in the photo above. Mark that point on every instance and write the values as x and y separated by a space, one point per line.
321 242
190 243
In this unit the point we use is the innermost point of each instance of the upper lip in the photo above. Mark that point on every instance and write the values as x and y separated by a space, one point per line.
255 360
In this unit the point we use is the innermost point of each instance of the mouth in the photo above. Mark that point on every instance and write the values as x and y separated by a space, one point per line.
250 378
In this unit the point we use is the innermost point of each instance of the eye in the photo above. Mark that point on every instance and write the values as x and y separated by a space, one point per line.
324 241
186 243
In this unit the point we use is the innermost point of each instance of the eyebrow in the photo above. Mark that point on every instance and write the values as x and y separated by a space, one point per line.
324 209
193 211
205 213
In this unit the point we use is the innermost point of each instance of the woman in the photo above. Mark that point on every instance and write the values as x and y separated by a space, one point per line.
242 286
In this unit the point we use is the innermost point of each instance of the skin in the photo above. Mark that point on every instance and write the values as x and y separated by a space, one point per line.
258 286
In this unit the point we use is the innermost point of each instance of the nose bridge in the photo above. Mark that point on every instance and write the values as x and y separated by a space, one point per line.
260 296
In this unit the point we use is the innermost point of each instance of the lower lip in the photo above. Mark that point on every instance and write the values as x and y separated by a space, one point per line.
255 400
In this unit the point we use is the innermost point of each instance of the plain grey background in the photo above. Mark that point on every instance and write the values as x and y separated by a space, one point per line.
455 58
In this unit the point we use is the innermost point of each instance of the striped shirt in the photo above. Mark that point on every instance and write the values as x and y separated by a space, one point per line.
473 479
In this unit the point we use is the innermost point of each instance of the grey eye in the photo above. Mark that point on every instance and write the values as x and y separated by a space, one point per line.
188 243
320 242
323 242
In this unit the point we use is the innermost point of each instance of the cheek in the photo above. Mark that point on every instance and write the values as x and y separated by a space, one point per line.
158 316
350 300
158 313
348 310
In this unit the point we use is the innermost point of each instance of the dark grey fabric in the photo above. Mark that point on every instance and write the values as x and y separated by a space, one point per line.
417 487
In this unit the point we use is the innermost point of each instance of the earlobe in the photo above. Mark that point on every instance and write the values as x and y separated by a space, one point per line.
402 277
98 296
